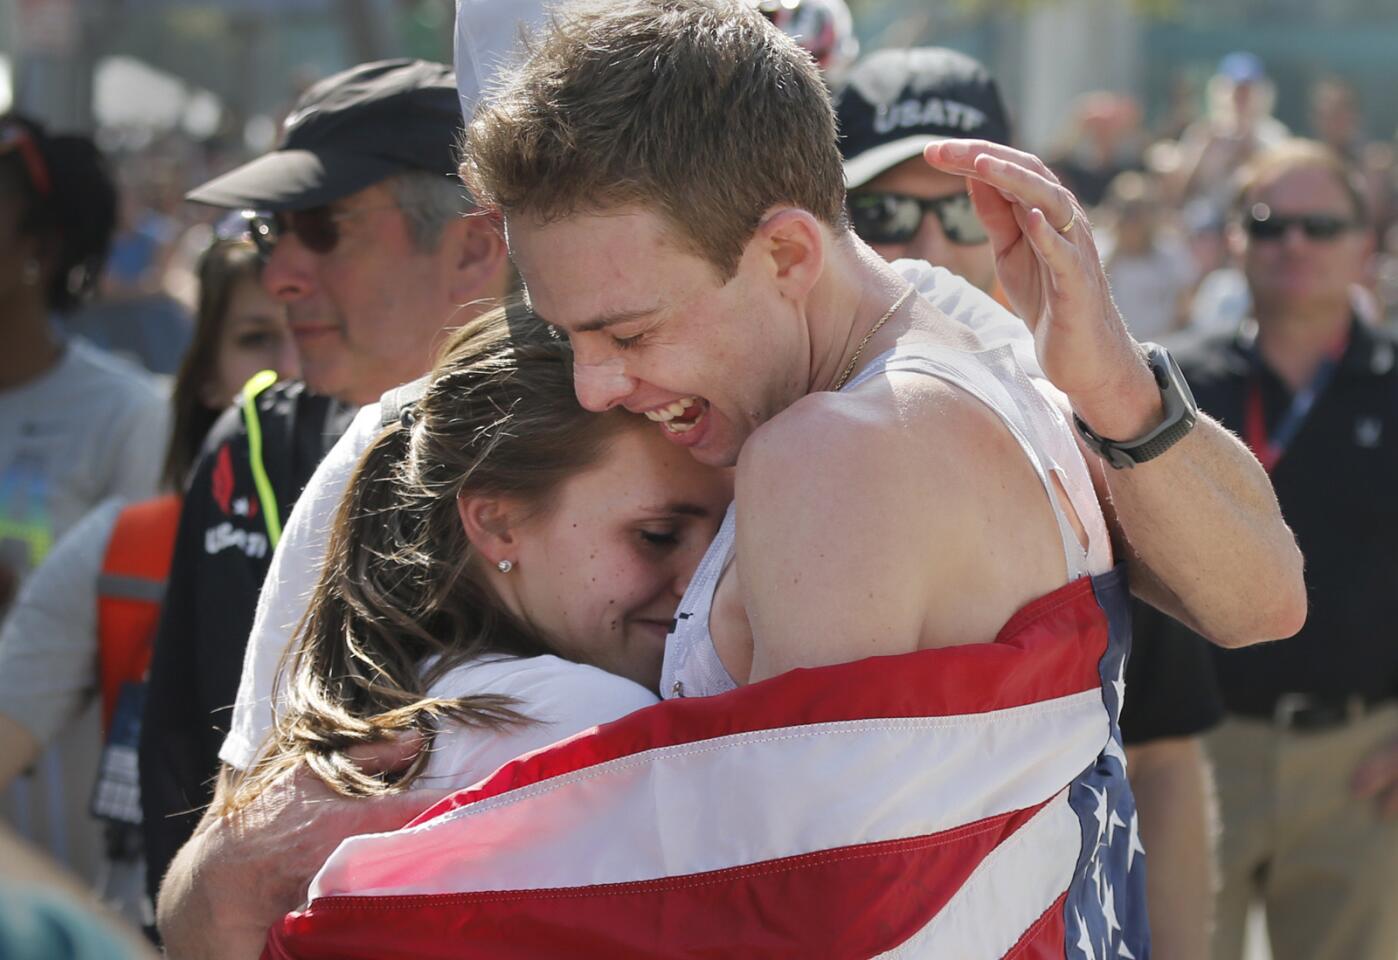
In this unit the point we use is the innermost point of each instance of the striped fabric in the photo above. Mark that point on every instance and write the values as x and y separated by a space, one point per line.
968 802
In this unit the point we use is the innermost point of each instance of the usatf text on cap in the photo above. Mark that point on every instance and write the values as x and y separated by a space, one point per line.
897 101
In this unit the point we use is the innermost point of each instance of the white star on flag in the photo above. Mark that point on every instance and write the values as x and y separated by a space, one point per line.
1119 685
1084 941
1101 812
1113 749
1112 823
1109 912
1135 843
1122 950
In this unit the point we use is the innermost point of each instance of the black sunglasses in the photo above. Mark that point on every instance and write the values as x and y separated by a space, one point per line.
881 217
1262 224
316 228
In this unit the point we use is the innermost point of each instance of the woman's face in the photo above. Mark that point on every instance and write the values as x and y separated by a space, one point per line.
254 337
16 248
601 571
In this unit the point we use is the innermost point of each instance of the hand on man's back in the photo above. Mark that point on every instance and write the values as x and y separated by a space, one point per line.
243 871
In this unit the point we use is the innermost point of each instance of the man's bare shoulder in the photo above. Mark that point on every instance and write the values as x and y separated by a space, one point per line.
866 518
901 419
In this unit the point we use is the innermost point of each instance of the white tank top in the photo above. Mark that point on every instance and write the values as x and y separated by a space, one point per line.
692 667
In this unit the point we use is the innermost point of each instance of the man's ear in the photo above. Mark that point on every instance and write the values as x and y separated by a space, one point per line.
792 244
474 246
492 526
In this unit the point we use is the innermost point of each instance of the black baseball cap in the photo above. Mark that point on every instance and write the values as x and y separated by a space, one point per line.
897 101
347 132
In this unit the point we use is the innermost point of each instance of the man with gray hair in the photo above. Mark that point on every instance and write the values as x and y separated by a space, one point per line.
359 215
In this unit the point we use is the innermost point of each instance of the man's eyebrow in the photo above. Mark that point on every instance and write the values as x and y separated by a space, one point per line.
611 318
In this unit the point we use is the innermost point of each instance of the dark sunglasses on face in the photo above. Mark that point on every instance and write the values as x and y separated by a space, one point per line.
316 228
880 217
1262 224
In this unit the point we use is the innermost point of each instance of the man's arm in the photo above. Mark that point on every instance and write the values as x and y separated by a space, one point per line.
1205 534
48 644
1173 786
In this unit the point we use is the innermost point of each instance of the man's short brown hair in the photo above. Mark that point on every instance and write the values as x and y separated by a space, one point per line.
1299 154
700 109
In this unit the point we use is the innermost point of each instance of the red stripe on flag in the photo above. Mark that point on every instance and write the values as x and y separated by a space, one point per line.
1047 938
820 904
1049 649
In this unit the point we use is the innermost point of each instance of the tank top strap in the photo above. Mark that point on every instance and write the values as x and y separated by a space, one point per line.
692 666
1023 404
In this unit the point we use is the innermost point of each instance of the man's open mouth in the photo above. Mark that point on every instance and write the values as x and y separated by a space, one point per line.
679 416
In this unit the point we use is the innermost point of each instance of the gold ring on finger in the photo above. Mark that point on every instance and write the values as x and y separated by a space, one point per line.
1069 225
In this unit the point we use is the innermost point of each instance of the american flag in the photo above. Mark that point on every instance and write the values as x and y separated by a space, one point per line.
968 802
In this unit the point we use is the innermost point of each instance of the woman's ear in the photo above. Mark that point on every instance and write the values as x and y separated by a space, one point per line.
492 526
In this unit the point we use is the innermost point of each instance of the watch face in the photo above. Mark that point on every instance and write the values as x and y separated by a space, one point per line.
1181 383
1174 388
1181 413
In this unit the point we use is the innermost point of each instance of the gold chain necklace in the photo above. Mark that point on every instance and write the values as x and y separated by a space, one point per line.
870 335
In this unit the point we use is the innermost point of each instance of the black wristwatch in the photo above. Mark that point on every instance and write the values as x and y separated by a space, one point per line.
1181 412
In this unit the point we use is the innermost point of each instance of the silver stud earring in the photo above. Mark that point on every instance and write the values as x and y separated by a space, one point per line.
505 566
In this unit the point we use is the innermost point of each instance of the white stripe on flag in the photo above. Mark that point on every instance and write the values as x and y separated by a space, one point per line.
736 800
1012 887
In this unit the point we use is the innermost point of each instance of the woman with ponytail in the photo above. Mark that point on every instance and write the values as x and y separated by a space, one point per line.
501 574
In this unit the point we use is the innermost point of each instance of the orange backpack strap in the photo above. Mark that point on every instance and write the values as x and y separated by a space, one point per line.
130 590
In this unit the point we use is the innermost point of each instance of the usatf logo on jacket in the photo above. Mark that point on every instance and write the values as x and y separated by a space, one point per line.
247 534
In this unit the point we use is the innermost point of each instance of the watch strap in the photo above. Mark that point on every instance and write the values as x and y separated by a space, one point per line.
1180 417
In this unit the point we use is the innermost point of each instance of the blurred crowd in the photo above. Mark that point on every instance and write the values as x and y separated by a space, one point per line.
1159 191
1167 219
135 318
1161 196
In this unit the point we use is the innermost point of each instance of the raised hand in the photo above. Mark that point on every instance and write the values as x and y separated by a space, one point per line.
1050 270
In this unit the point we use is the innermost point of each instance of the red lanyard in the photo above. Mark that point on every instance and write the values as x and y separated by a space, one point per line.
1269 446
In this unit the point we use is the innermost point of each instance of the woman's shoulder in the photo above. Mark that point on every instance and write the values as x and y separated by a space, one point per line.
560 698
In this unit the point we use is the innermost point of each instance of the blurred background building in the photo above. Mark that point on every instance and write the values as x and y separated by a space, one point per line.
1162 52
220 71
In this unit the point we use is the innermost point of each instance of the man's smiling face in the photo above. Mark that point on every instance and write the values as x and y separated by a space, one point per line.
656 330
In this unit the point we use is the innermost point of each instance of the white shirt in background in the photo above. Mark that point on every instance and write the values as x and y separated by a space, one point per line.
93 427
